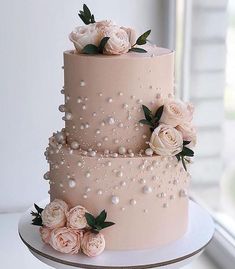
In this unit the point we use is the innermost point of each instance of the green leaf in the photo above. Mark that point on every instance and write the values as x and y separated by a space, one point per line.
90 49
187 152
39 209
138 50
90 219
147 113
158 113
184 164
102 44
86 16
143 38
107 224
37 221
101 218
86 11
178 157
146 122
186 142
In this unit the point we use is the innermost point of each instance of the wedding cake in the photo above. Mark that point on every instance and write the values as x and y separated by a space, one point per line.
125 147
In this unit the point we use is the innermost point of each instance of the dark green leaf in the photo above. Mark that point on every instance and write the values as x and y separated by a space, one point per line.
151 129
184 164
39 209
186 143
83 18
138 50
143 38
187 152
86 10
37 221
101 218
90 49
147 113
102 44
97 227
146 122
107 224
90 219
92 19
178 157
158 113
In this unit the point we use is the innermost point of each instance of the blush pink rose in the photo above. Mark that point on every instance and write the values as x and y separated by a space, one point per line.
176 112
84 35
189 133
166 140
118 42
54 214
76 217
65 240
93 244
131 34
45 234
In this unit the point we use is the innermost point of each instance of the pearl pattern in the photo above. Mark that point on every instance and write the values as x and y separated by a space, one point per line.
115 200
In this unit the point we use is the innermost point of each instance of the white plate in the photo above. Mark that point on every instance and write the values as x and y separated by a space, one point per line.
199 234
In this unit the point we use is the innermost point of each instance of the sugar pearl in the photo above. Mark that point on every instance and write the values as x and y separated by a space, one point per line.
88 174
72 183
62 108
98 131
122 150
68 116
119 174
110 120
79 100
74 145
115 199
46 175
84 107
183 193
133 202
149 152
60 137
82 83
99 192
110 100
147 189
92 153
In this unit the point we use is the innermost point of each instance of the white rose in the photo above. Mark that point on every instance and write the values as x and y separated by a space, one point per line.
176 112
131 34
84 35
54 214
118 42
189 133
76 217
93 244
166 140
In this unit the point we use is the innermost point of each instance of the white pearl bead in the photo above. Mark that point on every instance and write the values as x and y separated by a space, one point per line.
120 94
83 107
149 152
92 153
79 100
119 174
183 193
115 199
79 164
74 145
133 202
99 192
68 116
62 108
122 150
123 183
87 125
60 137
72 183
82 83
46 175
88 174
110 120
98 131
147 189
110 100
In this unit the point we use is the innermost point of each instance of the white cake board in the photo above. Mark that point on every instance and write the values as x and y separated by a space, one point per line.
174 255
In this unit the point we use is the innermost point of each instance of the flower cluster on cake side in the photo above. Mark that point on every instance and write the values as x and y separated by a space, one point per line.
105 37
71 230
173 133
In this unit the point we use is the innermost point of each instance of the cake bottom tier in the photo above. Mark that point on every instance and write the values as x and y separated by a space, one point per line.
146 197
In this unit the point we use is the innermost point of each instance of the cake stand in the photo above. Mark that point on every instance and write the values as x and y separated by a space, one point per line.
175 255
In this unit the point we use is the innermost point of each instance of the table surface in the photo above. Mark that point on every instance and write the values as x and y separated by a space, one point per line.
200 232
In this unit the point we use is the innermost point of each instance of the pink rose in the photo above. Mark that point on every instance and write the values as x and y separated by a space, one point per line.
54 214
93 244
188 132
131 34
84 35
176 112
45 234
76 217
166 140
118 42
65 240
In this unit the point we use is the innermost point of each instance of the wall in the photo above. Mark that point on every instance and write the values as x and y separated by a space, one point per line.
33 37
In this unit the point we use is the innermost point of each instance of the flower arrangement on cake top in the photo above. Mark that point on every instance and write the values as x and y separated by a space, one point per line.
105 37
172 131
71 230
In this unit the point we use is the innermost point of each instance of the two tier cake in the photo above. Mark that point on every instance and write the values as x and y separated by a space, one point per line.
125 145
